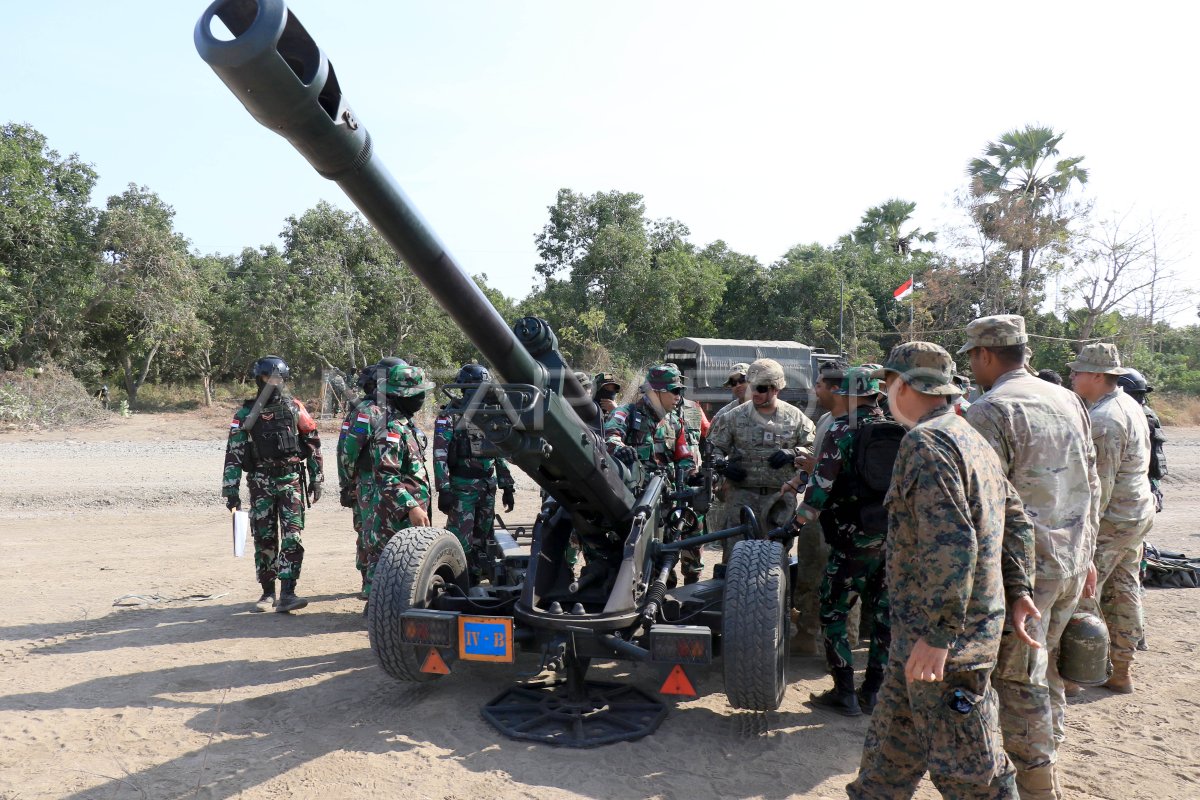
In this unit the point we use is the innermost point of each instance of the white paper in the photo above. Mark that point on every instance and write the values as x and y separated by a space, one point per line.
241 524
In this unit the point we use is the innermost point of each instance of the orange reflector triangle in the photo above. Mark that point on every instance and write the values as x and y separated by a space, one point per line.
677 683
434 663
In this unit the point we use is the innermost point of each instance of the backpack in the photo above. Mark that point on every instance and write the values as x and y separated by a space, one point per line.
1169 570
873 454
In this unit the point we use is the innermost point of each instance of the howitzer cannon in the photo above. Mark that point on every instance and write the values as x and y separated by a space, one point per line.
423 612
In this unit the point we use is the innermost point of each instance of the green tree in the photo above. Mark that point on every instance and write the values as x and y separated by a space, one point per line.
883 228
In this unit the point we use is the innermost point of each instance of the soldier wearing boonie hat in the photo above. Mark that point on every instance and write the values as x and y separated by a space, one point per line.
924 366
1044 439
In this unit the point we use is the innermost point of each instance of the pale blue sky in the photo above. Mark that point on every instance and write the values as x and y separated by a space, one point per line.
764 124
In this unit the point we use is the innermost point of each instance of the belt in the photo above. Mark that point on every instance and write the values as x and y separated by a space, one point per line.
471 473
276 469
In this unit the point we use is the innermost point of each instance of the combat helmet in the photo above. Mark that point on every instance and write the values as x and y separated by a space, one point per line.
269 366
1134 382
664 378
368 378
473 373
766 371
857 382
1083 650
406 381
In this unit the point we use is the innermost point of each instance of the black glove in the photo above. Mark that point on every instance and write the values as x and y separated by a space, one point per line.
508 499
735 472
625 454
445 501
780 459
233 502
348 497
314 492
695 479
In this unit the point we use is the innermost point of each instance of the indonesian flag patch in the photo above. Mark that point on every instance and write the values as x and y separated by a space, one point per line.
236 425
362 418
393 437
345 426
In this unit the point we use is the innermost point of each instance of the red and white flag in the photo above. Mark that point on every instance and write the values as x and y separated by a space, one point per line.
904 291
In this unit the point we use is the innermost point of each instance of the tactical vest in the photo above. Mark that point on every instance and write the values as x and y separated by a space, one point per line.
274 436
1158 457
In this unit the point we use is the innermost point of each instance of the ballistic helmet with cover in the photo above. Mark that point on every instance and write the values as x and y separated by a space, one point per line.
1134 382
766 372
664 378
1083 650
268 366
924 366
473 373
406 381
857 382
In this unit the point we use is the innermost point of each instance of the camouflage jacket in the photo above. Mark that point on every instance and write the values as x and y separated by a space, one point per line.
455 455
958 542
696 426
353 451
1122 440
658 444
754 437
723 410
239 456
822 492
1043 437
398 460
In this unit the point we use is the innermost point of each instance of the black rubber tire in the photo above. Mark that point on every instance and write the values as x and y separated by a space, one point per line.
410 569
754 626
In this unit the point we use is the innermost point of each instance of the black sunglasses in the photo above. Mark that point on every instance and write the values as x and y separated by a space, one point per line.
732 382
763 388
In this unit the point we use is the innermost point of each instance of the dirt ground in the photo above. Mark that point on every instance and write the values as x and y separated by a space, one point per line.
131 666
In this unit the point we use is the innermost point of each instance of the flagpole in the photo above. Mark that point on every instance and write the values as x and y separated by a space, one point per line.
912 300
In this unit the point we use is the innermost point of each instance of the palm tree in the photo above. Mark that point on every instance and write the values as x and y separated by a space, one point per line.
1018 184
881 227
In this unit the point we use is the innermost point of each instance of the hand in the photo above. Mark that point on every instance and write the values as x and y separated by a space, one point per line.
348 496
445 502
233 502
806 463
780 459
314 492
1022 610
625 454
926 663
418 517
608 405
735 472
508 499
1089 583
695 478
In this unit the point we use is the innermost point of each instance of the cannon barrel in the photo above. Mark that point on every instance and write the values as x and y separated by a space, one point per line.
286 82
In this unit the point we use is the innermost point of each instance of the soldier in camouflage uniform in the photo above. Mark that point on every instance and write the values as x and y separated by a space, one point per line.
695 428
1135 385
760 441
1122 441
958 544
605 388
651 432
356 479
736 382
273 439
856 561
1043 438
466 481
400 497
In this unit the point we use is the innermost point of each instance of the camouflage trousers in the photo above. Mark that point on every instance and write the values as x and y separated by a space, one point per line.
473 515
1032 699
361 511
771 510
916 727
276 520
385 517
812 554
849 576
1118 561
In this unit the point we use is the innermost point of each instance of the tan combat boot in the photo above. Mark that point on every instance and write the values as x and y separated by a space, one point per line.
1121 681
1071 688
1037 783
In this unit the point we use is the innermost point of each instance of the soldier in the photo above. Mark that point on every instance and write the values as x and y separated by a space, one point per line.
605 389
650 432
356 478
273 439
467 481
958 542
760 441
855 526
1122 441
400 497
1043 438
736 383
1134 384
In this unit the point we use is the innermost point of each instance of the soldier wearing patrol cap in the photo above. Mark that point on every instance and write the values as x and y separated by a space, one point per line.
760 441
736 383
1043 438
1122 441
958 543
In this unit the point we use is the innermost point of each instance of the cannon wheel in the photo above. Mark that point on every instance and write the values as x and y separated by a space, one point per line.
414 568
754 625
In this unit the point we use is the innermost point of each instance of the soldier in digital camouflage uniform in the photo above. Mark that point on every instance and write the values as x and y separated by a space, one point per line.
1135 385
1122 441
855 567
273 439
958 544
356 478
400 496
761 440
466 481
1043 438
650 432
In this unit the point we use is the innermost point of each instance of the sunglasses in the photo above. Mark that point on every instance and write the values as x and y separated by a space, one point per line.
738 382
763 388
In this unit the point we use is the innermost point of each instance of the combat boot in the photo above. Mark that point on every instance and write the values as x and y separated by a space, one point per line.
1037 783
288 601
868 693
1071 688
267 601
841 697
1121 681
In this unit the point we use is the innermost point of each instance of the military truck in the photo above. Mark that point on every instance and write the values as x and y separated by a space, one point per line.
705 364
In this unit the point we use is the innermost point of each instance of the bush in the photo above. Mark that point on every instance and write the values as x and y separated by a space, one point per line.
45 398
1176 409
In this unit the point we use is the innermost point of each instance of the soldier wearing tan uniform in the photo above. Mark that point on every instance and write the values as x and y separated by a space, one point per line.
1043 438
736 382
761 439
1122 441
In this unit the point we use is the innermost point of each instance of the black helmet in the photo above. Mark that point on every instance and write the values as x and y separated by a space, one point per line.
267 366
368 379
473 373
1134 381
